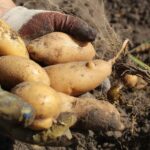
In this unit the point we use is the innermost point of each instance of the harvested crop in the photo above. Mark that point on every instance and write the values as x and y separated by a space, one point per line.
58 47
44 100
76 78
134 81
15 69
91 113
130 80
10 42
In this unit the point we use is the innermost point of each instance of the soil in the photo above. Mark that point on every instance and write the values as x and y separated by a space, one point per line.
130 19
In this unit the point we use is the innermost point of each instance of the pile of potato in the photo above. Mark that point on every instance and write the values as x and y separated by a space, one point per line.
49 71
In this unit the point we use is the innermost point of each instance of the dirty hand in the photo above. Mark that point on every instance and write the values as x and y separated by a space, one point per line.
32 23
16 116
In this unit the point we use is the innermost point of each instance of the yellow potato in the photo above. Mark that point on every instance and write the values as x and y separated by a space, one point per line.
58 47
130 80
43 99
75 78
49 104
15 69
10 42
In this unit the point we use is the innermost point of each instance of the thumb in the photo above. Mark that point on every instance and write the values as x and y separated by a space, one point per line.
14 109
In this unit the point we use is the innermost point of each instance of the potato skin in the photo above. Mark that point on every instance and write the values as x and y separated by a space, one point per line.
58 47
15 69
43 99
92 114
10 42
97 114
76 78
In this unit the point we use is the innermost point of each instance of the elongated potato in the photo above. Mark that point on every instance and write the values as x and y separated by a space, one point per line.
15 69
58 47
75 78
43 99
10 42
91 113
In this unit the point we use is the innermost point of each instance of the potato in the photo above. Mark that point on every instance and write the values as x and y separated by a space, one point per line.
15 69
98 114
43 99
76 78
134 81
59 47
10 42
130 80
91 113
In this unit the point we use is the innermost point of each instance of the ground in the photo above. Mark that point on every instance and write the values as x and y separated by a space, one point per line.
130 19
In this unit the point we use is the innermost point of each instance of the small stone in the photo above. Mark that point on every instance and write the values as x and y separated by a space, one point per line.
109 133
117 134
87 95
91 133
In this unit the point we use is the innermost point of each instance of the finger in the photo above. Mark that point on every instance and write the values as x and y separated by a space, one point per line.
46 22
14 109
55 136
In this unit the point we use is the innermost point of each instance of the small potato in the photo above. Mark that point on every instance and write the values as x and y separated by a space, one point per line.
43 99
59 47
49 104
15 69
130 80
134 81
10 42
76 78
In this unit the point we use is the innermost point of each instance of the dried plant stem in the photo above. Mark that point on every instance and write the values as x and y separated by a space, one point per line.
124 46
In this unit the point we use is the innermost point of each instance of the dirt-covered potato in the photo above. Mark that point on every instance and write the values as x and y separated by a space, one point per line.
58 47
75 78
48 103
10 42
15 69
43 99
91 113
98 115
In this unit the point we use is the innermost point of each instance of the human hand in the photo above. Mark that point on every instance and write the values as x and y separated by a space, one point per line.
16 116
32 23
